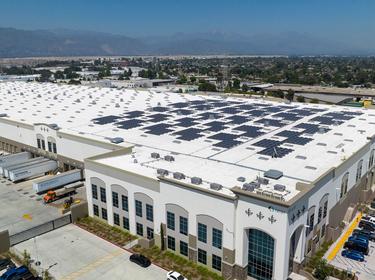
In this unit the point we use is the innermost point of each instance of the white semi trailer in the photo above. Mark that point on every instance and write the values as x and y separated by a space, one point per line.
32 171
26 163
58 181
13 159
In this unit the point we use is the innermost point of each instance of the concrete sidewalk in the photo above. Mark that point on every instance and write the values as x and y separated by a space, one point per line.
73 253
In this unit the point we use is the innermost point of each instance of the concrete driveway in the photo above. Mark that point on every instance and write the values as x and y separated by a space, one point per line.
72 253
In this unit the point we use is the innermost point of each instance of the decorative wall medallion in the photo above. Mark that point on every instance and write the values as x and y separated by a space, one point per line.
293 218
272 219
260 215
298 213
249 212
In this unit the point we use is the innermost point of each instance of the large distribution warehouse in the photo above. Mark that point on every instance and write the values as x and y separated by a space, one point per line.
247 187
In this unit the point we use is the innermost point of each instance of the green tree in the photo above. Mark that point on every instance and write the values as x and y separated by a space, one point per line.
193 79
290 95
300 98
322 270
236 84
245 88
206 87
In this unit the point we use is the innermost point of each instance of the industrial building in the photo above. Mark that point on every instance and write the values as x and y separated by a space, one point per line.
248 188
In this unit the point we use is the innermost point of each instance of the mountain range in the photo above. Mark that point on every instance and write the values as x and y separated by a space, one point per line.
62 42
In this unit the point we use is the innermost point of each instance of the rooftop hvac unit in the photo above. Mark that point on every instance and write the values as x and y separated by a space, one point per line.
196 180
248 187
117 105
216 186
262 181
241 179
273 174
3 115
155 155
53 126
162 172
116 140
169 158
178 176
279 187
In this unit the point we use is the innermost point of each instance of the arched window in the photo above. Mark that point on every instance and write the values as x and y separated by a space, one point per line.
344 184
40 141
359 170
260 255
371 160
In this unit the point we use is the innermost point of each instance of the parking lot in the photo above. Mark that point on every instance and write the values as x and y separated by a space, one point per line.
364 270
72 253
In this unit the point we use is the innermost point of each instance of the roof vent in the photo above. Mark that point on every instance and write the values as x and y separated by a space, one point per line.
279 187
262 180
116 140
196 180
273 174
178 176
248 187
117 105
155 155
169 158
216 186
162 172
241 179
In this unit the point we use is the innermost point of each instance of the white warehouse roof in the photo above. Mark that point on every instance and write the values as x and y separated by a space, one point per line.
215 138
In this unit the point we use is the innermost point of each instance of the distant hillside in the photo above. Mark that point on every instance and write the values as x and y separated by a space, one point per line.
23 43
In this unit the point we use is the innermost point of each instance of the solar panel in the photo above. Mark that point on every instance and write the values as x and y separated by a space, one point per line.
250 131
267 143
215 126
237 119
106 119
189 134
158 117
128 124
275 152
186 122
271 122
158 129
159 109
184 112
134 114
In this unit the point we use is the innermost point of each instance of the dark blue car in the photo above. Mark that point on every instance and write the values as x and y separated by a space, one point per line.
13 272
359 239
354 255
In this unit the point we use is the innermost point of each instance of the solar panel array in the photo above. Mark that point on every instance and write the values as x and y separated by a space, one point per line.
231 123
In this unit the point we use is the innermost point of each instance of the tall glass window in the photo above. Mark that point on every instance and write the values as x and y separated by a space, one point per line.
217 236
184 249
103 196
116 219
359 170
149 212
170 220
115 199
125 203
260 256
138 208
202 233
344 184
183 225
94 190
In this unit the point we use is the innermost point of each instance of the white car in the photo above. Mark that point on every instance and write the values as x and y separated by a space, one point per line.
173 275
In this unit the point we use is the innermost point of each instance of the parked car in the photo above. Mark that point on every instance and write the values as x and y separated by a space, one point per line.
13 272
354 255
5 263
356 246
140 260
362 232
359 239
367 225
174 275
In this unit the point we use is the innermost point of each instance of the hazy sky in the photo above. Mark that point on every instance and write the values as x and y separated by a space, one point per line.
340 19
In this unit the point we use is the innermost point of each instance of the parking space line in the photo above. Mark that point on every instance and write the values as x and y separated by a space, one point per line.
93 265
344 237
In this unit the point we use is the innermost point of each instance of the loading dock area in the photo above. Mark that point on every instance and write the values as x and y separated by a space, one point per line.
21 208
